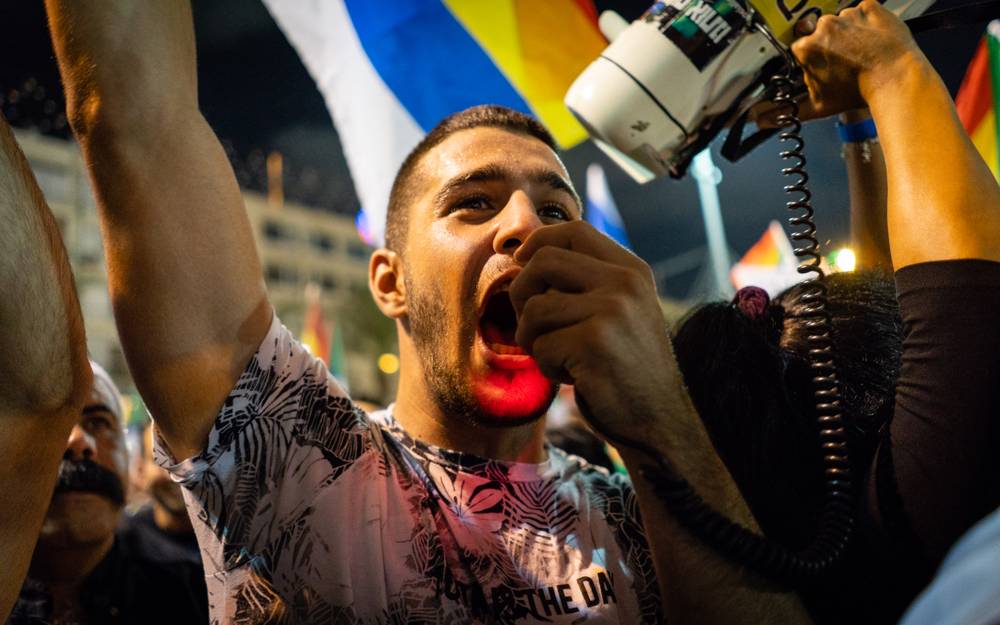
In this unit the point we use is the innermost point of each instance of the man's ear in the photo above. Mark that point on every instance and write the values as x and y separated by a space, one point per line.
385 281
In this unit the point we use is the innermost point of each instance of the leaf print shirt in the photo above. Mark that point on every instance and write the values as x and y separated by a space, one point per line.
307 510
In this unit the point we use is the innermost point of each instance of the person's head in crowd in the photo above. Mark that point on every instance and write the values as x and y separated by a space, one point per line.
90 492
463 202
746 365
165 495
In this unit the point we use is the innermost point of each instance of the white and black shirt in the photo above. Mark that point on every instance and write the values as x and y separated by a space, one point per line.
307 510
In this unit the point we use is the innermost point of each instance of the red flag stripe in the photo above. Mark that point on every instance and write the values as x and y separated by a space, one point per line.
975 96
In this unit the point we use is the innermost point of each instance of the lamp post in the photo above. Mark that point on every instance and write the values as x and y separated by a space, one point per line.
708 177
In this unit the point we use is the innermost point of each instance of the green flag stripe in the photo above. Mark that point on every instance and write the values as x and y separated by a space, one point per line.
993 46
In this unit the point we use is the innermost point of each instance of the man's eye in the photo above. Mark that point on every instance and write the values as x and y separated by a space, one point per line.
554 211
95 424
474 202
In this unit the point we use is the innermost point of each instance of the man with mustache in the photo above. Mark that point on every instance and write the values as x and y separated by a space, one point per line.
85 567
448 507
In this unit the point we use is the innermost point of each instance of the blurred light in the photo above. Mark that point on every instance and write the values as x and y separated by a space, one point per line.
388 363
364 228
845 260
127 407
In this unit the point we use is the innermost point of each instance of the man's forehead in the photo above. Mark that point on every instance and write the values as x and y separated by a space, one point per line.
97 403
478 148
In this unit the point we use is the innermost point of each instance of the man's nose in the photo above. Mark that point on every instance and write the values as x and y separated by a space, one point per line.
81 445
519 219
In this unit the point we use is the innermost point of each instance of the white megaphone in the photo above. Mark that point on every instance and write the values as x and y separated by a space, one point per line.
671 81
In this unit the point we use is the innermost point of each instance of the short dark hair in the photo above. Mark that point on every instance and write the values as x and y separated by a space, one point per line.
486 115
751 382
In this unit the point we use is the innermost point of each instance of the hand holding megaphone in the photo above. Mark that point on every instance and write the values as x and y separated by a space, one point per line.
867 43
848 57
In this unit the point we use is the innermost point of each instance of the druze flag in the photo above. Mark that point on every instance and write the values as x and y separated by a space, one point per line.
389 71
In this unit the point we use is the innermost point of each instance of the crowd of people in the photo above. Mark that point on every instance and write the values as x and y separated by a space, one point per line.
450 505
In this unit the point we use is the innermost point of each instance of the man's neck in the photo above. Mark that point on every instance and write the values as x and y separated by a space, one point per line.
421 417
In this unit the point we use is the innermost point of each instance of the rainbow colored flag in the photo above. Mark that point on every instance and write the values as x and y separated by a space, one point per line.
978 96
769 264
338 359
315 334
389 71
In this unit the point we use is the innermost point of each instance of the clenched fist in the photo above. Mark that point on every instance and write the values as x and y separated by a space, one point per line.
848 57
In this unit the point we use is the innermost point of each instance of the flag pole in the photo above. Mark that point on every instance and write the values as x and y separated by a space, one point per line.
708 177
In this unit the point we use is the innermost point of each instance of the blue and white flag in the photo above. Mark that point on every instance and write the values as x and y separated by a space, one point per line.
600 210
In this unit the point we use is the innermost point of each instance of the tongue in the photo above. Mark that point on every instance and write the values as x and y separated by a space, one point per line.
499 339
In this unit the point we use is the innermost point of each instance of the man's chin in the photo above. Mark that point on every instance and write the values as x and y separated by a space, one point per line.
509 398
76 518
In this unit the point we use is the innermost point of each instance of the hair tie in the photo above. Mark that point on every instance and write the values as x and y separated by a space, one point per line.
752 301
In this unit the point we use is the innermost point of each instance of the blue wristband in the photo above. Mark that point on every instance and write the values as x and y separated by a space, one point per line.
858 131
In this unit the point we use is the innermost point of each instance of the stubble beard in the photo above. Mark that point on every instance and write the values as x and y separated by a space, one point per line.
449 383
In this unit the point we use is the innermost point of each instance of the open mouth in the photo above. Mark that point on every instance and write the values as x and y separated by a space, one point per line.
498 325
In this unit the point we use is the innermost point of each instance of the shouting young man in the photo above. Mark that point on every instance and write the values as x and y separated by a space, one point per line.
448 507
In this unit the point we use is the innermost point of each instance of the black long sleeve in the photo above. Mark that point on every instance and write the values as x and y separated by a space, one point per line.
940 465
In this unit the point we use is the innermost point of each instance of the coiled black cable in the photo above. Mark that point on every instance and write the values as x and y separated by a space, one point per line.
728 538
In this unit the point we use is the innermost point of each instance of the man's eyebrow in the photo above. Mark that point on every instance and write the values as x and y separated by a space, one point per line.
488 173
102 409
491 173
558 183
92 408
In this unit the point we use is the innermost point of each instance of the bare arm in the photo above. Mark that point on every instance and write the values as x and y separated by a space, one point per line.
943 202
720 592
183 271
867 187
44 373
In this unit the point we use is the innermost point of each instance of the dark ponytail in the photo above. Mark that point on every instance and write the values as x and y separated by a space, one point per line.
746 368
735 371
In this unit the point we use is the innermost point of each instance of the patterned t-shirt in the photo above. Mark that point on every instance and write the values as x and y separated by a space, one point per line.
307 510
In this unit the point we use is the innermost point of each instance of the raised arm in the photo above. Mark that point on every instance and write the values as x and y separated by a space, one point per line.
44 373
183 271
866 184
935 473
943 202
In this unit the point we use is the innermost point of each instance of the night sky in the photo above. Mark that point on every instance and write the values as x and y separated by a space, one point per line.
259 97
